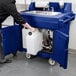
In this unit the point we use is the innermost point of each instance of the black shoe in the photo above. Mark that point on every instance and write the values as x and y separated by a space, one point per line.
5 61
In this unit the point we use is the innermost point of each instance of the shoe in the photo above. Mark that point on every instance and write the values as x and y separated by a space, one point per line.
5 61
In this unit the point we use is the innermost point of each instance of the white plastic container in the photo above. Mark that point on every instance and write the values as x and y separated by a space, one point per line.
24 34
32 41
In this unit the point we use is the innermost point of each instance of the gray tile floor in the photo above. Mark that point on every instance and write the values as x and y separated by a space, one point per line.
20 66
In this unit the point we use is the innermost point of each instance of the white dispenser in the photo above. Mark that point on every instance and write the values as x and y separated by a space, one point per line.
32 41
24 34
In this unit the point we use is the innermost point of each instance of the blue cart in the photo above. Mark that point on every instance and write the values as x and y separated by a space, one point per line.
59 24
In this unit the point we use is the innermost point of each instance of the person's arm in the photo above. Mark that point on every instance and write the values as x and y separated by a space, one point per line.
10 8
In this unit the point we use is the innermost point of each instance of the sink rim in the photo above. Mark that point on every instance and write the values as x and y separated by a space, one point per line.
50 13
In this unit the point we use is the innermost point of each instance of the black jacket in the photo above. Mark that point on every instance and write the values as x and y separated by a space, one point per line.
7 7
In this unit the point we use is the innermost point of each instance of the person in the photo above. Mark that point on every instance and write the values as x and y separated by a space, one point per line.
7 8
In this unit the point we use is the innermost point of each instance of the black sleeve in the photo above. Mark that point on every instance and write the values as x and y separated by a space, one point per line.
10 8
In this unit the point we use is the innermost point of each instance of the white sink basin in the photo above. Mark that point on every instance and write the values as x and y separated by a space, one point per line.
44 13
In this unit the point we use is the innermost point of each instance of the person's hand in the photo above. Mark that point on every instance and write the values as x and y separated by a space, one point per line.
29 27
33 29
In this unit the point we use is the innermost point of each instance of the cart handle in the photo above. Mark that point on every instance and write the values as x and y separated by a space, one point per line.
67 19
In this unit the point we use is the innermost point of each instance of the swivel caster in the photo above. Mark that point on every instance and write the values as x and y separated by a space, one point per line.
52 62
28 56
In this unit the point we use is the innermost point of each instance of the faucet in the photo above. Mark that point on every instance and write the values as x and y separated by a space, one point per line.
47 7
52 9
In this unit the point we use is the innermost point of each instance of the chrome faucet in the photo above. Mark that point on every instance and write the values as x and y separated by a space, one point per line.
52 9
47 7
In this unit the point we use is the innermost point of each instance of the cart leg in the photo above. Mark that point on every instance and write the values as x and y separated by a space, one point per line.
2 57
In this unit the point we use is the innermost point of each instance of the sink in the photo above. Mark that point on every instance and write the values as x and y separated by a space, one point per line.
50 13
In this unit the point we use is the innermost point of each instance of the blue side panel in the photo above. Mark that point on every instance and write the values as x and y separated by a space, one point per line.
32 6
55 5
12 41
67 7
60 48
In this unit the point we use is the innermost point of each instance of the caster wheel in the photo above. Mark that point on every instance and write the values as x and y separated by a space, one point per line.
51 62
28 56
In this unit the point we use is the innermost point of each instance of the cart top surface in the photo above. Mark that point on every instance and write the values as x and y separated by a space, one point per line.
48 14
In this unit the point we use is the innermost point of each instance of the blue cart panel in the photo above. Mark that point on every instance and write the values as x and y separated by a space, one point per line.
60 24
11 39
